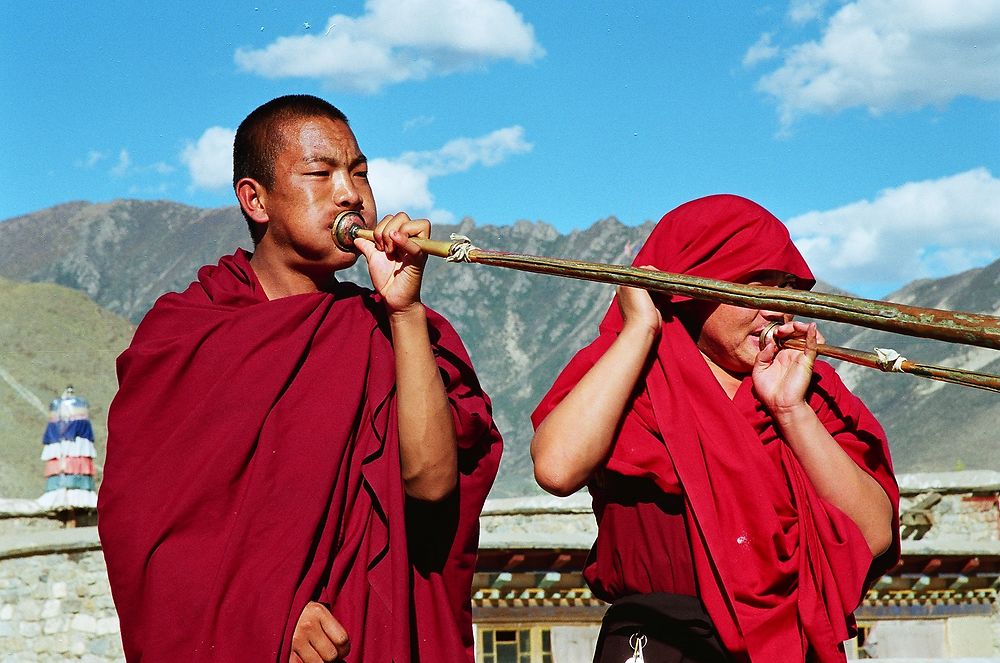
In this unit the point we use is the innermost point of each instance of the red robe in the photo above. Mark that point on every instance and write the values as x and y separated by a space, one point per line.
253 465
778 569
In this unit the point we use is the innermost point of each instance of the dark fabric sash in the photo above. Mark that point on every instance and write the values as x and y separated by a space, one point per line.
676 628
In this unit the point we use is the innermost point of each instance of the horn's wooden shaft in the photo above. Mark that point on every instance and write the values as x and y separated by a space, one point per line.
951 326
871 360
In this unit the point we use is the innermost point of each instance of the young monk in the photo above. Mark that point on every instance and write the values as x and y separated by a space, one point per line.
744 497
296 465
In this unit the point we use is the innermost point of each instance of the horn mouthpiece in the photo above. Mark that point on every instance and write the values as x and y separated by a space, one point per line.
345 229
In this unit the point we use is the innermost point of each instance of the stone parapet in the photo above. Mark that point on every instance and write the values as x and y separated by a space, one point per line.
55 602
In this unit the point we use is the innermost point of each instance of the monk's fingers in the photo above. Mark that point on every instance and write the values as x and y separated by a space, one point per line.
766 356
801 329
637 307
380 230
366 247
819 336
328 637
302 649
416 228
336 634
386 227
394 232
790 329
325 649
812 337
314 647
394 221
796 329
402 235
318 636
631 295
642 293
306 655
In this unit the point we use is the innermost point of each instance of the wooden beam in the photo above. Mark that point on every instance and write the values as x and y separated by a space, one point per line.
561 561
549 579
502 580
970 566
513 561
932 566
959 582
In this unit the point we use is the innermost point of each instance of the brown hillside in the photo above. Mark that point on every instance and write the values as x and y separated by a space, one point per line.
52 337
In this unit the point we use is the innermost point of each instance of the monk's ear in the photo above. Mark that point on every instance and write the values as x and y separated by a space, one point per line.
253 197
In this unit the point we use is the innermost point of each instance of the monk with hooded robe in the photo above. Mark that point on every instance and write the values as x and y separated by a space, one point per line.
745 498
296 465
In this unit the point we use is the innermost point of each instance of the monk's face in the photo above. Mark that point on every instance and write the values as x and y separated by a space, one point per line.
320 171
730 335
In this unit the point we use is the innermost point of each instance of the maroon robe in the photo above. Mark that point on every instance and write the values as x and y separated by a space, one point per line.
253 465
726 510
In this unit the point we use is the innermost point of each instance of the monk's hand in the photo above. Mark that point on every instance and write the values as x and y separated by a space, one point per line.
395 262
318 636
781 377
638 310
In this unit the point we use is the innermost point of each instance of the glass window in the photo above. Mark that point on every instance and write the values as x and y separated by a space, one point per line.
520 645
506 647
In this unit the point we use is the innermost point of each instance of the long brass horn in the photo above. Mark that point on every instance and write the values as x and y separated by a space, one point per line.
938 324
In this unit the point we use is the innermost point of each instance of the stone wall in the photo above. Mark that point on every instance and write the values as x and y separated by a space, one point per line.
55 602
963 517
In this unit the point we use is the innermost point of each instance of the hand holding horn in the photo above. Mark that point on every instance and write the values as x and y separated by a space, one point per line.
349 225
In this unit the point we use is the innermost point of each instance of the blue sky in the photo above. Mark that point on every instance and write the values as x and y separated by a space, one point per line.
871 127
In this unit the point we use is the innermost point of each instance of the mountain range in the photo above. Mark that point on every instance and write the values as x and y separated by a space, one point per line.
78 276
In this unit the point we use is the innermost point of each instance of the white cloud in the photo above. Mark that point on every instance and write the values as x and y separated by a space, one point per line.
93 158
892 55
121 167
924 229
161 168
459 155
210 159
125 166
399 186
399 40
803 11
760 51
419 121
403 183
